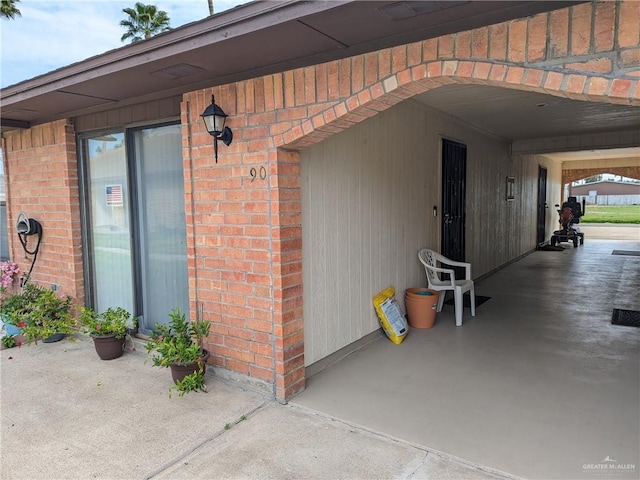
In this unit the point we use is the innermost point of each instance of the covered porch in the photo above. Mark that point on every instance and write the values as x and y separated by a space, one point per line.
539 384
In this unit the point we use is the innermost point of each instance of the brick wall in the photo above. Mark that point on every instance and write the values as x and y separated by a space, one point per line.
41 166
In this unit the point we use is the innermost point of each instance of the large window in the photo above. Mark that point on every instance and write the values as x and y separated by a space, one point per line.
110 213
136 234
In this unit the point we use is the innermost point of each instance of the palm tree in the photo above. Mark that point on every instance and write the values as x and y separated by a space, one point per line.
8 9
210 7
144 21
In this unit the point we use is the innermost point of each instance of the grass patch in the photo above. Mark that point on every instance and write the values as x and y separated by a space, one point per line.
611 214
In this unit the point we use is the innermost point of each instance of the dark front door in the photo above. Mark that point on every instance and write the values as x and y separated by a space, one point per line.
542 203
454 172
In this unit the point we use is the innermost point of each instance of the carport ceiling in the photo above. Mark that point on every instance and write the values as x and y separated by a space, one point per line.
519 115
245 42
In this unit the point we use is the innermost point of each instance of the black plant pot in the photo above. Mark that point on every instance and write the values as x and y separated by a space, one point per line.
178 372
108 347
56 337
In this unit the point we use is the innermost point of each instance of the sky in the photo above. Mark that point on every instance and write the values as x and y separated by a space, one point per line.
55 33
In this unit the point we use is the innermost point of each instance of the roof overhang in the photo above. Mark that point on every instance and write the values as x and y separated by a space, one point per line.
248 41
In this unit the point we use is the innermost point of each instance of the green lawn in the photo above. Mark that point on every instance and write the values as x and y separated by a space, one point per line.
611 214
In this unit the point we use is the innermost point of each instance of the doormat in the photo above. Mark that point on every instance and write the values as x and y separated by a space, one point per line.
467 302
633 253
625 318
551 248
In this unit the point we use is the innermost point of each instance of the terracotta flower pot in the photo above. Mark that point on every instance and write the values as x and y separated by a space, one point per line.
419 292
178 372
421 309
108 347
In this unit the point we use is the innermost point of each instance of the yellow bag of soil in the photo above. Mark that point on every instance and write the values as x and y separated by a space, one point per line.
390 316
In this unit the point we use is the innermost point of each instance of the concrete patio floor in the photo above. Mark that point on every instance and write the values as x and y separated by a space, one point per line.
539 384
65 414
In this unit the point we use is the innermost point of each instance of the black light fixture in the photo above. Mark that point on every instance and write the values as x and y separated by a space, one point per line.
214 119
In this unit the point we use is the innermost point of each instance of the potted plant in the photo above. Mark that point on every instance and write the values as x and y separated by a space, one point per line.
8 301
49 315
108 329
12 311
9 341
40 313
179 346
9 271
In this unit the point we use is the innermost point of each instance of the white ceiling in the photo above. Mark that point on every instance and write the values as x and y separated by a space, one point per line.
520 115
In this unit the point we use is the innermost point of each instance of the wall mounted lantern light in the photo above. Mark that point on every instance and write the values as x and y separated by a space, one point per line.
214 119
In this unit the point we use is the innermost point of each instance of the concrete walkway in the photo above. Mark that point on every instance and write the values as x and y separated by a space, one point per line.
610 231
65 414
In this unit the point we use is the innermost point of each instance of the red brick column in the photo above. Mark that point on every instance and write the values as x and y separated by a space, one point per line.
286 219
42 180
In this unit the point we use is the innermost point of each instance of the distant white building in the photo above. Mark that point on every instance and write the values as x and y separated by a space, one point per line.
608 193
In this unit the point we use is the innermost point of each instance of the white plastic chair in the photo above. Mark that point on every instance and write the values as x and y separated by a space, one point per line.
433 263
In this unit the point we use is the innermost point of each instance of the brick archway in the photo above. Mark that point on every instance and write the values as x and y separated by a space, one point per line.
415 69
427 76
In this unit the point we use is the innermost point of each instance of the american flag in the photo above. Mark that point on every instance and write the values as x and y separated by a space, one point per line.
114 195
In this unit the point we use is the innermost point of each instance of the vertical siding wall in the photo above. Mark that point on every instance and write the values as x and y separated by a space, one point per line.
367 204
367 197
499 231
40 164
530 165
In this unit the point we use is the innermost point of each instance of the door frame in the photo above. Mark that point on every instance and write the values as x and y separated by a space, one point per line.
541 225
444 250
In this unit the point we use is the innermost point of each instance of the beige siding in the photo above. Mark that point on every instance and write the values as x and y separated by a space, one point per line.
528 225
367 200
367 196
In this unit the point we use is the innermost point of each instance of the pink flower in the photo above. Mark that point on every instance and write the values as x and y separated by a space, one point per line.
98 327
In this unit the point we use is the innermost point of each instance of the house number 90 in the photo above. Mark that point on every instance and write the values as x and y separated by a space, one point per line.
261 173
